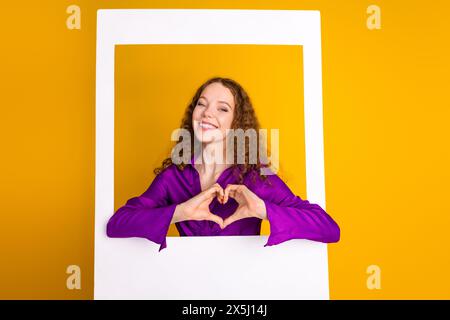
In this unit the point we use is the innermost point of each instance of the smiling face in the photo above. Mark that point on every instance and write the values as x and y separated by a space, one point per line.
217 105
213 113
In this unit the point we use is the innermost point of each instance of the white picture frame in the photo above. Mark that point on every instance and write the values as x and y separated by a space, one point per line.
133 268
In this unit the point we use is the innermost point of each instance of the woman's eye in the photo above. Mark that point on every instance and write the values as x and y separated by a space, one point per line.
224 109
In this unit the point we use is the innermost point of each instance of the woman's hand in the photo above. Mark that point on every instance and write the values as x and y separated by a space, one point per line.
197 208
250 205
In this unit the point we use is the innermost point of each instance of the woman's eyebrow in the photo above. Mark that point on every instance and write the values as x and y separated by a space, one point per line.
226 103
218 101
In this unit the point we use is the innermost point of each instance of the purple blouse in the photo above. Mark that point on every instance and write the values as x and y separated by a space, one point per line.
149 215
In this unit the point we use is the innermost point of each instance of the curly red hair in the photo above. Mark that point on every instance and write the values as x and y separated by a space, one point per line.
244 117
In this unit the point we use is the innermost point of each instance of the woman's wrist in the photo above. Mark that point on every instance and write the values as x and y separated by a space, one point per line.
261 209
178 215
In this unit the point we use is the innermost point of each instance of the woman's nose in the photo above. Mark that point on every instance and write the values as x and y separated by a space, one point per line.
208 111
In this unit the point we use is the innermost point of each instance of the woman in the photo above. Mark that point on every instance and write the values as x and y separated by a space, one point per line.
213 198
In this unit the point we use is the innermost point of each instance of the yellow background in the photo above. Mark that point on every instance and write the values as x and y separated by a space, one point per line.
155 83
386 114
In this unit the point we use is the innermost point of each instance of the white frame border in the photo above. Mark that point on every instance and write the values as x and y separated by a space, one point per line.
204 26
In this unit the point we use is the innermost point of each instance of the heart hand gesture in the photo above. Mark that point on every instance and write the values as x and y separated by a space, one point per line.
250 205
197 208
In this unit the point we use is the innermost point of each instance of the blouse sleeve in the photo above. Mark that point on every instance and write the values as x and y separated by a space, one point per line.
146 216
290 217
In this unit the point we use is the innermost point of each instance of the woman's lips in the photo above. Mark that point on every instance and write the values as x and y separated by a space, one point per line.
207 126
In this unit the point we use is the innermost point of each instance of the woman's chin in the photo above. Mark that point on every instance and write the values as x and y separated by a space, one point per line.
206 141
208 137
202 139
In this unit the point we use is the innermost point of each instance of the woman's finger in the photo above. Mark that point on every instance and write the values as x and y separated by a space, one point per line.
221 194
228 189
233 218
216 219
211 192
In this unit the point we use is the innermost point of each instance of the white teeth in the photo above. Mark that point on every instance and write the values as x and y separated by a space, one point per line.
206 126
